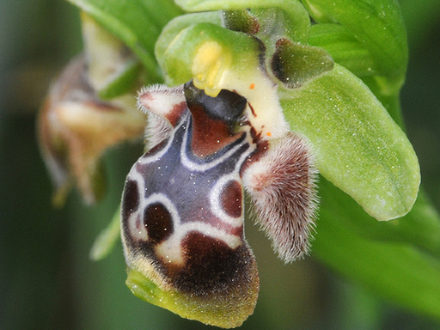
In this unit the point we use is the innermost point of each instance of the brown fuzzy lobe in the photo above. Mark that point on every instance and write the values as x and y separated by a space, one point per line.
260 151
157 131
173 114
283 194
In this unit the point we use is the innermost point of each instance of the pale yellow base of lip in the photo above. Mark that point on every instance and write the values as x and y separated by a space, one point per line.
218 310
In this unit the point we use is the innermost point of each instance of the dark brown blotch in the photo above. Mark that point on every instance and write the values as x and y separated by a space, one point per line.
231 199
131 198
212 267
158 222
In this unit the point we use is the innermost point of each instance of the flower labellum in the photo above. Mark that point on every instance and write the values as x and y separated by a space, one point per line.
183 208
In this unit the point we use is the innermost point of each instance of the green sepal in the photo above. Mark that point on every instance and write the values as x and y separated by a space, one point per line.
376 24
343 47
297 20
358 146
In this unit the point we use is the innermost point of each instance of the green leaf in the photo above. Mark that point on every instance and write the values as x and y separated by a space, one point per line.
136 22
376 24
420 227
297 18
397 271
359 148
107 239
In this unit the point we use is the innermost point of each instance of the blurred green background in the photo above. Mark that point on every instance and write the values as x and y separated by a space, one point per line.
46 278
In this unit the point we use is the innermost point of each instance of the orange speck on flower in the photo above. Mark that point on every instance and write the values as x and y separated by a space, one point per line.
252 86
269 134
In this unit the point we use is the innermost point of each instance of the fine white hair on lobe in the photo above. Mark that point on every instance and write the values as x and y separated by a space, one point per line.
164 107
157 130
282 188
159 99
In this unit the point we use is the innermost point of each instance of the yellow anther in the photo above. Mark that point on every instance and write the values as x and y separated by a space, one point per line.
210 63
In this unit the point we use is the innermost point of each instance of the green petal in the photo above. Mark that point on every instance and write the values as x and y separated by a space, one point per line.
240 20
295 64
359 148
